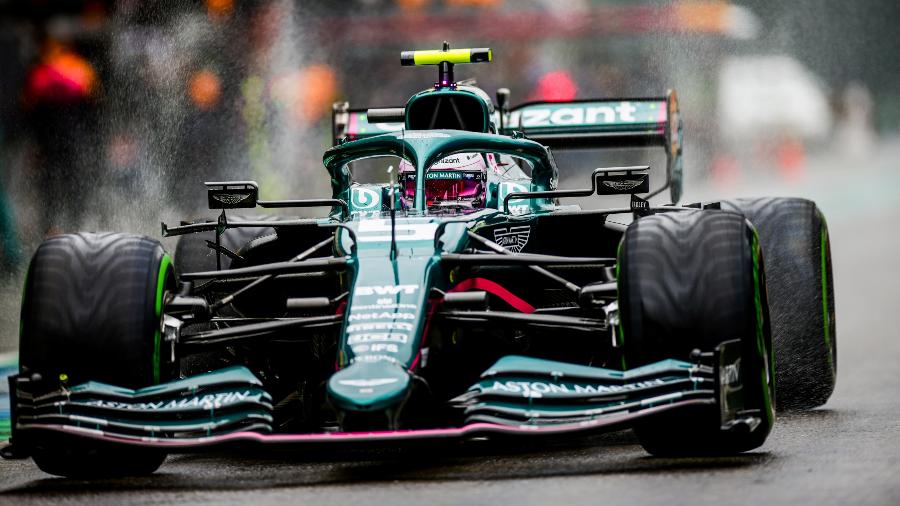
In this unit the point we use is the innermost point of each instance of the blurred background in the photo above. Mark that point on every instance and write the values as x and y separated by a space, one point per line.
112 114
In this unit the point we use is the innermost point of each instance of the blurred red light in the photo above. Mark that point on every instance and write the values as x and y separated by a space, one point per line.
556 86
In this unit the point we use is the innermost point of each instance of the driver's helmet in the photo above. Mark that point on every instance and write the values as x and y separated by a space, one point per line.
456 181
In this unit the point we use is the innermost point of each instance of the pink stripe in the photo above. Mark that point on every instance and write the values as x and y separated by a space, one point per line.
663 112
494 289
352 127
480 428
433 304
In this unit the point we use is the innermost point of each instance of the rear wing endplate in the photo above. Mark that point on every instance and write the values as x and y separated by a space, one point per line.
353 124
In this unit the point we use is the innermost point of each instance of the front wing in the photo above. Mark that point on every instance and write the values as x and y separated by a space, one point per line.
518 396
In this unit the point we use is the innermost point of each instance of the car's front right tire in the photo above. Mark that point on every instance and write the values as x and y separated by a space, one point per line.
692 280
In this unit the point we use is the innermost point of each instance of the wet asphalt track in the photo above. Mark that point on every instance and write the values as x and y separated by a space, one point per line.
845 453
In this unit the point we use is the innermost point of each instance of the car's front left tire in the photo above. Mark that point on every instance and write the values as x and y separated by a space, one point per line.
91 311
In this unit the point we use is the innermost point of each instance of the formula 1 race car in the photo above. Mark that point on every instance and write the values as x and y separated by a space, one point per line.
455 299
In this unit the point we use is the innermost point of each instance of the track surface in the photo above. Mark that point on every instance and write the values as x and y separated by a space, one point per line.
845 453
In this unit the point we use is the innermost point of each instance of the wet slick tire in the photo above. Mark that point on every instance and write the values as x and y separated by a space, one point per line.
91 311
794 239
692 280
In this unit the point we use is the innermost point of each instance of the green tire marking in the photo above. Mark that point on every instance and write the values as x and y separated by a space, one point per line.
619 291
164 266
826 314
760 337
5 430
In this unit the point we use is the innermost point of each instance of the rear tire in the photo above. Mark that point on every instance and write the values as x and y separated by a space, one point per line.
794 238
692 280
91 311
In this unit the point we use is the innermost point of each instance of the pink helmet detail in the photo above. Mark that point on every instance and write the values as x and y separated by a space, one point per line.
457 180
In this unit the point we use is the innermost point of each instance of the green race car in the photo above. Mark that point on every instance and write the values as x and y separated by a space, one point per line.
455 299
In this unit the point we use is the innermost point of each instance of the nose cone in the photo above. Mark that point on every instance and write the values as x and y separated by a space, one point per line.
369 386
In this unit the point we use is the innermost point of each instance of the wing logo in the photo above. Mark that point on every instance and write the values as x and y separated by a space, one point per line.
628 184
513 238
231 198
575 115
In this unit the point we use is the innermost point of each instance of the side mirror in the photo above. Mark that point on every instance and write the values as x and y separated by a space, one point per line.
232 194
623 180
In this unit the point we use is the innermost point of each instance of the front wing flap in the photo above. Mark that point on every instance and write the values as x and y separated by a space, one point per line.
535 392
222 402
517 396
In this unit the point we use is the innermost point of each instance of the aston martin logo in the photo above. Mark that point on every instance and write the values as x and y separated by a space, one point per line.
231 198
624 185
513 238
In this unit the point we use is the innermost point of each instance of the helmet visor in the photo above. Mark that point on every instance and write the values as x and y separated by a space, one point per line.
448 188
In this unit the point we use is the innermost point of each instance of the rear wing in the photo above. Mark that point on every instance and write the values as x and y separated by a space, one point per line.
588 123
607 123
592 123
580 124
